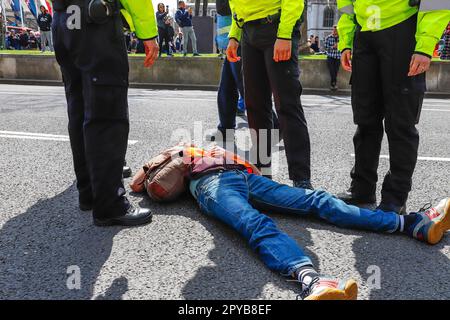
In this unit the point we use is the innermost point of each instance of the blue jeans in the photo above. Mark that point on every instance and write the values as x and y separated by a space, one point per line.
231 86
233 196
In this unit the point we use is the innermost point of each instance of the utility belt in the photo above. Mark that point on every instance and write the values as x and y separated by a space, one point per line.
271 18
98 11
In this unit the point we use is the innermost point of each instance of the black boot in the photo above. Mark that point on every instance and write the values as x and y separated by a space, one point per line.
133 217
367 202
302 184
126 173
85 206
391 207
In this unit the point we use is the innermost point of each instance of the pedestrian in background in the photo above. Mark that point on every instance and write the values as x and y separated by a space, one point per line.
24 39
163 32
315 47
44 21
183 17
333 57
179 41
170 35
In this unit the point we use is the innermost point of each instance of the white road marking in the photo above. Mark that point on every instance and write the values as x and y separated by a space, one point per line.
41 136
418 158
439 110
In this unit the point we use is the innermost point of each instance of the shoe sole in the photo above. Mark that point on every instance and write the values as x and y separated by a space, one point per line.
350 292
358 203
85 209
131 223
438 228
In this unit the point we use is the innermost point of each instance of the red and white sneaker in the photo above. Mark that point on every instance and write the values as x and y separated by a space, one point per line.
431 224
323 288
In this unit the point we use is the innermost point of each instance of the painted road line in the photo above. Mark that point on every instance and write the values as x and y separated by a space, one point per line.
418 158
439 110
40 136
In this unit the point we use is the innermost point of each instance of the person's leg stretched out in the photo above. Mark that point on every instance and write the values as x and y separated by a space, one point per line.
232 196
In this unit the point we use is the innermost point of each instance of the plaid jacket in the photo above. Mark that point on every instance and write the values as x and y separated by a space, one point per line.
330 41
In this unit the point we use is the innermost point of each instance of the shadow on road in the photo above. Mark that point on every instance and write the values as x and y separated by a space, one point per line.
237 272
38 246
409 269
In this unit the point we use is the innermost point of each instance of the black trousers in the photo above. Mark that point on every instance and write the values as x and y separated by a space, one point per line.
381 90
163 38
333 68
94 65
231 86
264 77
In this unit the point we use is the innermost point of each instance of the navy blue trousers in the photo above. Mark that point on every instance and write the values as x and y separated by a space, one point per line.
94 66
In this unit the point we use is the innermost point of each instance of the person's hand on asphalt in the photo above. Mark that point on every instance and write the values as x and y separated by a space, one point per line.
151 52
232 48
282 50
346 60
419 64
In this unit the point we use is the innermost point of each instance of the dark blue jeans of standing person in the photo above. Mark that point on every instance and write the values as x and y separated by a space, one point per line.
235 197
231 86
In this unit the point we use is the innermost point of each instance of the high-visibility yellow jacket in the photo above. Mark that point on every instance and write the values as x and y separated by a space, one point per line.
250 10
140 16
375 15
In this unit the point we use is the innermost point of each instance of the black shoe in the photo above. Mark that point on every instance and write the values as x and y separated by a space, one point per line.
303 184
390 207
126 173
196 54
133 217
367 202
85 206
184 54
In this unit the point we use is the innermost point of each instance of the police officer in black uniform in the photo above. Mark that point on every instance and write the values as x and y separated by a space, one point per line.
90 49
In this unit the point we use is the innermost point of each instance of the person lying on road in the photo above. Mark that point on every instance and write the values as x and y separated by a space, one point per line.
231 190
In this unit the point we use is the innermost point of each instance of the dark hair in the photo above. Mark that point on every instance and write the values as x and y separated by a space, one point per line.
161 4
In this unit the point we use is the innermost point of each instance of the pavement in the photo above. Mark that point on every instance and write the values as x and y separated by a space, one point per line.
46 241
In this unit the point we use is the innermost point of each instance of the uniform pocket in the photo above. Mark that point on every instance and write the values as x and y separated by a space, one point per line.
413 91
108 97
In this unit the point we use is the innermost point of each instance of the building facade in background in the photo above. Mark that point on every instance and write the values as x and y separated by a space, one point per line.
211 11
321 16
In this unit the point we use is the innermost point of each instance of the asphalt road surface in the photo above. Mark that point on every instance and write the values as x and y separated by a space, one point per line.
45 240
